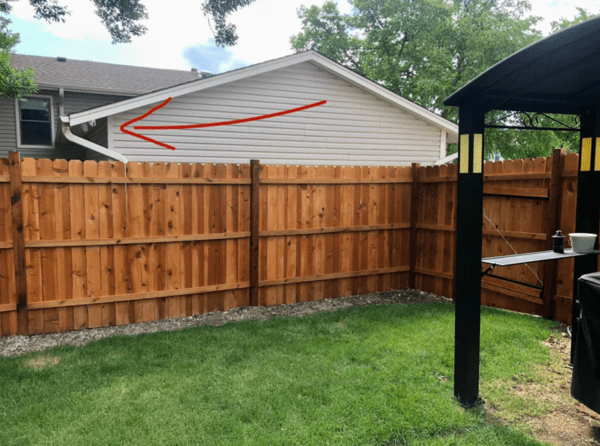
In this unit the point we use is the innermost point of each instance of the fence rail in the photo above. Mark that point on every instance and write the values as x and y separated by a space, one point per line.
98 244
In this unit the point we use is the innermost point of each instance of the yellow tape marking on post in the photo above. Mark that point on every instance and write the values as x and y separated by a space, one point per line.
586 154
477 152
597 163
464 154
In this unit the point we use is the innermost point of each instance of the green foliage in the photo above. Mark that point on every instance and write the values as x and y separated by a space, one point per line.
582 15
515 144
13 83
363 376
121 18
218 10
424 50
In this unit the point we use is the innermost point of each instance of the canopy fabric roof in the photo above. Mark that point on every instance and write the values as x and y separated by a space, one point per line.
558 74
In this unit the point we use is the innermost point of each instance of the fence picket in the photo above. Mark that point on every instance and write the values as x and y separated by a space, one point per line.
107 258
64 282
120 271
321 232
78 228
92 231
149 307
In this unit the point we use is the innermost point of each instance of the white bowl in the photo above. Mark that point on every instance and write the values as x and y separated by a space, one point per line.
582 242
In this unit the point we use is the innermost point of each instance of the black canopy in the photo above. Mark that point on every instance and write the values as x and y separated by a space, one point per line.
558 74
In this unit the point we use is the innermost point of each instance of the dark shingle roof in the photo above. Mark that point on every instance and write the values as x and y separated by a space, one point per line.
100 77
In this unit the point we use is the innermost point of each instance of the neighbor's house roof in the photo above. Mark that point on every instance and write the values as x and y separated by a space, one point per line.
265 67
558 74
97 77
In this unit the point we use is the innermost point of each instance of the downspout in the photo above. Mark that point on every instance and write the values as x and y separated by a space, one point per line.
66 129
61 101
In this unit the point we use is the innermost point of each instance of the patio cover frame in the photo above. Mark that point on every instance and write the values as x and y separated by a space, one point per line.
558 74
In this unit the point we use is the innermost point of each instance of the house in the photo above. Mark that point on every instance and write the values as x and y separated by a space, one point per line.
298 109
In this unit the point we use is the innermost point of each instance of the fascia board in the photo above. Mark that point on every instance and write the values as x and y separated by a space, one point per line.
190 87
313 56
105 92
387 95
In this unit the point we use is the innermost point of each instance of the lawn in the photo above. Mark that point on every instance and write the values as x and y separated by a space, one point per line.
379 375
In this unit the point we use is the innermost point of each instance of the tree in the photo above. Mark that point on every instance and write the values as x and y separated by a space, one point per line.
120 17
529 144
13 83
420 49
425 50
218 10
582 15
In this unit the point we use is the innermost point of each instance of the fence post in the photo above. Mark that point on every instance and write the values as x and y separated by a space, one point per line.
414 220
254 228
553 222
14 160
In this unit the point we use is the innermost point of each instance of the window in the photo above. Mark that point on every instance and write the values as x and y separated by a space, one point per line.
34 121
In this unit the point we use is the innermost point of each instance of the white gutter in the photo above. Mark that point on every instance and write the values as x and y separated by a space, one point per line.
66 128
446 159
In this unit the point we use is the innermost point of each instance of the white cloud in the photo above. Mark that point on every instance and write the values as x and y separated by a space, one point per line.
264 27
555 10
80 25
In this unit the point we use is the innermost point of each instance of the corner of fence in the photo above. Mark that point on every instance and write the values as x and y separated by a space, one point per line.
414 220
14 161
254 229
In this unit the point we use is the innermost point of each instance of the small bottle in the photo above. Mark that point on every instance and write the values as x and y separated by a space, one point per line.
558 242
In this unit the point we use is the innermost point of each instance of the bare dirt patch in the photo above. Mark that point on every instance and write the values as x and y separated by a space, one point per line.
563 421
571 423
19 345
38 363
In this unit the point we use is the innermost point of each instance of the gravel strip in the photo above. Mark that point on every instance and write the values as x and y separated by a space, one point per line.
19 345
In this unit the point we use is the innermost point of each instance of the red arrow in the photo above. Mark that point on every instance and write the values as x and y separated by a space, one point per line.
198 126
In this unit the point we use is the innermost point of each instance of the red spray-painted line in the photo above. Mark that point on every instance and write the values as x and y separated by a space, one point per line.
216 124
197 126
139 118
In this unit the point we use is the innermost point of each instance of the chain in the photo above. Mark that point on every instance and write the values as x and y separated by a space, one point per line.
511 247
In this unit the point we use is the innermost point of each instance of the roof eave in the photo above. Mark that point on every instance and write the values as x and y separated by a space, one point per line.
232 76
78 89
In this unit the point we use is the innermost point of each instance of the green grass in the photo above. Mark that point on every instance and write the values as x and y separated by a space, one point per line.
380 375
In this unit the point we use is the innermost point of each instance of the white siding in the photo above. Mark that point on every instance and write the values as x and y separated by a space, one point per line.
354 127
64 149
76 102
8 128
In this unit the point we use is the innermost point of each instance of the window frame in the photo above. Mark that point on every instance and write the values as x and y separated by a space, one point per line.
18 119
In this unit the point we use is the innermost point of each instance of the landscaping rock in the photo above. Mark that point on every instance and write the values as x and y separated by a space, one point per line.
19 345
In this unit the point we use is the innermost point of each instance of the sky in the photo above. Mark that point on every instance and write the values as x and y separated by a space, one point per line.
179 37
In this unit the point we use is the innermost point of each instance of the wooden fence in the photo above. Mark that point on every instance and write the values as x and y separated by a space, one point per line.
98 244
525 202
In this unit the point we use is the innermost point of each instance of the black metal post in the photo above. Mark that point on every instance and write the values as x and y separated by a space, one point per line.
468 255
588 201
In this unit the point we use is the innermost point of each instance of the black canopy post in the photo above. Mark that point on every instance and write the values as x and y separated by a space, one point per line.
468 255
558 74
588 200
